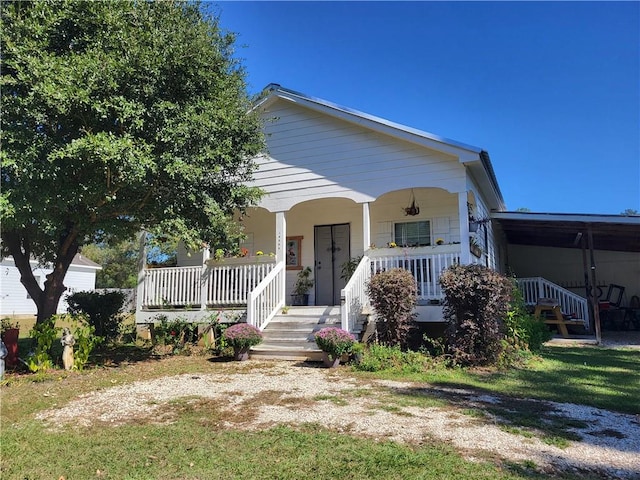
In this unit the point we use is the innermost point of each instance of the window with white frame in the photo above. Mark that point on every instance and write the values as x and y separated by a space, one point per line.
412 234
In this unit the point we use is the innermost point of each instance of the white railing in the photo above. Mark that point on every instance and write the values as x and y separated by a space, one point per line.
353 297
570 303
231 284
202 286
172 287
425 267
267 298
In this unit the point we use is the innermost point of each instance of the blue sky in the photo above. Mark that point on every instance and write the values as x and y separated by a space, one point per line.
550 89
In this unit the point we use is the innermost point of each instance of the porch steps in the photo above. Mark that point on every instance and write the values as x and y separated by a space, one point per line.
290 336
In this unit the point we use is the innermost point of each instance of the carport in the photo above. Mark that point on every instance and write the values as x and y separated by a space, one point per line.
576 251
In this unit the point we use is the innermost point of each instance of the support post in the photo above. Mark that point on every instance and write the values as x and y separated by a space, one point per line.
281 249
366 227
142 265
594 300
204 279
463 213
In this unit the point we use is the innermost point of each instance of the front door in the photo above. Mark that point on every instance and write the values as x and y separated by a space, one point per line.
331 252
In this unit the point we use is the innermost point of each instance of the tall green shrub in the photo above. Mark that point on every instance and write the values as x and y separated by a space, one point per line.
103 310
393 295
524 331
476 302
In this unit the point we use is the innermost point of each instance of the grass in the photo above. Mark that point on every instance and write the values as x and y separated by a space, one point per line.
598 377
198 443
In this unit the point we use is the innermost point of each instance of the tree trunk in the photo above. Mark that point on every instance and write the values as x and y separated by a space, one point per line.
46 300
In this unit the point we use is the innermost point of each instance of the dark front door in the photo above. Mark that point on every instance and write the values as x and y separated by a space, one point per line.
331 252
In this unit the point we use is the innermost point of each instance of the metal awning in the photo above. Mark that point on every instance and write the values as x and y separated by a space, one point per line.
565 230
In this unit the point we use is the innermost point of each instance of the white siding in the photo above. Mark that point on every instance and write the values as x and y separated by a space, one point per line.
13 296
311 156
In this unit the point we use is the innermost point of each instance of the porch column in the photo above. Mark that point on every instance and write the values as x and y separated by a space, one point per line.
366 227
142 264
463 213
281 248
204 279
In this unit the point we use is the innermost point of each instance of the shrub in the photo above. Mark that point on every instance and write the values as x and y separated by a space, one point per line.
43 335
86 340
175 334
476 302
380 357
393 295
242 335
102 309
334 341
522 330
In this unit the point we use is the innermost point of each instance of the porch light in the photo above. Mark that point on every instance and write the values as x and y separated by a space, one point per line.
413 209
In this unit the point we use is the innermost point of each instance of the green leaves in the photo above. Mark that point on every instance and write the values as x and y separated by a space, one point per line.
121 116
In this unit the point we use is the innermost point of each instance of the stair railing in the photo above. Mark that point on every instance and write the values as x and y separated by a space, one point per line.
534 288
353 297
267 298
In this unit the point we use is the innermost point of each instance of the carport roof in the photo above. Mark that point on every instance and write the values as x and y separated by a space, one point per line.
610 232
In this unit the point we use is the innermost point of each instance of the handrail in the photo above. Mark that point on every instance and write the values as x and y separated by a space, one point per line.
267 298
353 297
534 288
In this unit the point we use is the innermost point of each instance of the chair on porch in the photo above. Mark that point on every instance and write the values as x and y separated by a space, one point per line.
611 313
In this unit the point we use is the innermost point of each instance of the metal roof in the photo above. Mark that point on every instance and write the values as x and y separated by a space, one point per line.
566 230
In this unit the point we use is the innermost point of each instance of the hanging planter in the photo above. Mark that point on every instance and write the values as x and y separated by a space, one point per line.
413 209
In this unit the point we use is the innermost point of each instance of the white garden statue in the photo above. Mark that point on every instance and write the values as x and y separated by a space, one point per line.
3 353
68 341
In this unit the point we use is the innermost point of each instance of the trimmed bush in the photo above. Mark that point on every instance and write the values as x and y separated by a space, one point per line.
476 302
103 310
393 295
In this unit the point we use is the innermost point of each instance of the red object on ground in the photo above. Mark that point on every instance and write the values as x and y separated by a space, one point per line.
10 339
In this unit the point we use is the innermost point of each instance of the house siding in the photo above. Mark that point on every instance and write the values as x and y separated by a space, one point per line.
311 156
13 295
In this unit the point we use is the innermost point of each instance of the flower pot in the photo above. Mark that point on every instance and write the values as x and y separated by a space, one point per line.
300 300
10 339
241 354
329 361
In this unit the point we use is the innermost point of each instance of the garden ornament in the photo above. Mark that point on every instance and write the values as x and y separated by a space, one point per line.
68 341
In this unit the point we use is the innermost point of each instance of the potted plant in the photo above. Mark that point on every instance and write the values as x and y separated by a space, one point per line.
304 283
10 331
242 337
334 342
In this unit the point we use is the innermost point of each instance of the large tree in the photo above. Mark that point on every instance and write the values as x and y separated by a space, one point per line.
118 117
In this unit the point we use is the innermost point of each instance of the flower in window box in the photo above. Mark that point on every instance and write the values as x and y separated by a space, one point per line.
392 245
259 252
439 241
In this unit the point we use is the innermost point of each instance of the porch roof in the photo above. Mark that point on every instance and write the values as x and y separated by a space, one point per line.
565 230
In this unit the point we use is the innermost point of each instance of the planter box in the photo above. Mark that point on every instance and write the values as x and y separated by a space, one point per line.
241 260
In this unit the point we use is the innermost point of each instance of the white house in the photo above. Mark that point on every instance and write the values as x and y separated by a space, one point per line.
342 185
14 299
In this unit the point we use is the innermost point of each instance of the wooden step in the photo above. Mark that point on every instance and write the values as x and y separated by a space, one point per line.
290 336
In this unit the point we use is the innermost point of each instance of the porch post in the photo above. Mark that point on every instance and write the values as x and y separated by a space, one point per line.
204 279
366 227
463 213
281 248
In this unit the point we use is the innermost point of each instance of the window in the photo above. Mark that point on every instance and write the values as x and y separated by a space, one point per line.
412 234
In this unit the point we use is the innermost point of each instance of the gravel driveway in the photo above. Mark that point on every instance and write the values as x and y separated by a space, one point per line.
270 393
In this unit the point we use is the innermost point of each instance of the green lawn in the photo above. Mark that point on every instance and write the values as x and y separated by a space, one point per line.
197 445
599 377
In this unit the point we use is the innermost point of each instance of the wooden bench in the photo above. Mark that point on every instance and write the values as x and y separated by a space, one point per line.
556 319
